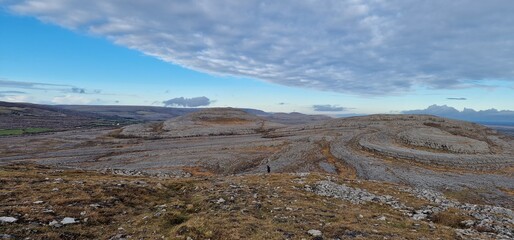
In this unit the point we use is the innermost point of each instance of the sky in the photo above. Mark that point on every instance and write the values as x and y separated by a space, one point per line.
330 57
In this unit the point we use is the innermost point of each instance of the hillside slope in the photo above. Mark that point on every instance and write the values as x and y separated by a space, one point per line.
26 115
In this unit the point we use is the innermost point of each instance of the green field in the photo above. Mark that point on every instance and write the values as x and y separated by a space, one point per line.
8 132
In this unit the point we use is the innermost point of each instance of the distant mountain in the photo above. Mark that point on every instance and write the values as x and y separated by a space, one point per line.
152 113
490 116
141 113
256 112
27 115
62 117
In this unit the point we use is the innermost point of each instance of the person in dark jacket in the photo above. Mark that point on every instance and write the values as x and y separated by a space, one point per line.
269 169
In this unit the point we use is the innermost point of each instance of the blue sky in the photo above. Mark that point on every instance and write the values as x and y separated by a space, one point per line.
53 55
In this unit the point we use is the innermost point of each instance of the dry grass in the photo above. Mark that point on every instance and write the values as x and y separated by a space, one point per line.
198 171
344 170
261 148
115 133
225 121
509 192
467 195
451 218
158 127
273 206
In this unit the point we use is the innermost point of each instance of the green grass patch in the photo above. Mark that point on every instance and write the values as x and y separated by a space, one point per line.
10 132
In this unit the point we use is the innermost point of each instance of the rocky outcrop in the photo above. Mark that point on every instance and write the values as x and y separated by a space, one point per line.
434 138
489 221
208 122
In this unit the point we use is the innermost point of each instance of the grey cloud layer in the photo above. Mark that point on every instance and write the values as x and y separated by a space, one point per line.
188 102
78 90
328 108
356 46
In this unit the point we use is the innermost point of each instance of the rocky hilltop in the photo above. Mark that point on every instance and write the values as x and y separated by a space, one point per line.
208 122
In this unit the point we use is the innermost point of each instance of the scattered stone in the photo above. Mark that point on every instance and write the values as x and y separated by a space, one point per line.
54 223
432 225
354 195
119 236
419 216
6 236
315 233
496 221
8 220
68 220
94 205
381 218
38 202
160 212
468 223
221 200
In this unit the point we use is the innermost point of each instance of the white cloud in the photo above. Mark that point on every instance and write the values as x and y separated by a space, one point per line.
356 46
14 98
71 99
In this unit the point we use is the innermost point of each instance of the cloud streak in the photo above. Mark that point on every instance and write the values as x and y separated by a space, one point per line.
457 98
63 88
353 46
29 85
188 102
9 93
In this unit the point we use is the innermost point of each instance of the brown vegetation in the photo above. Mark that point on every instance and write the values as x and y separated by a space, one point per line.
236 207
342 168
451 218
